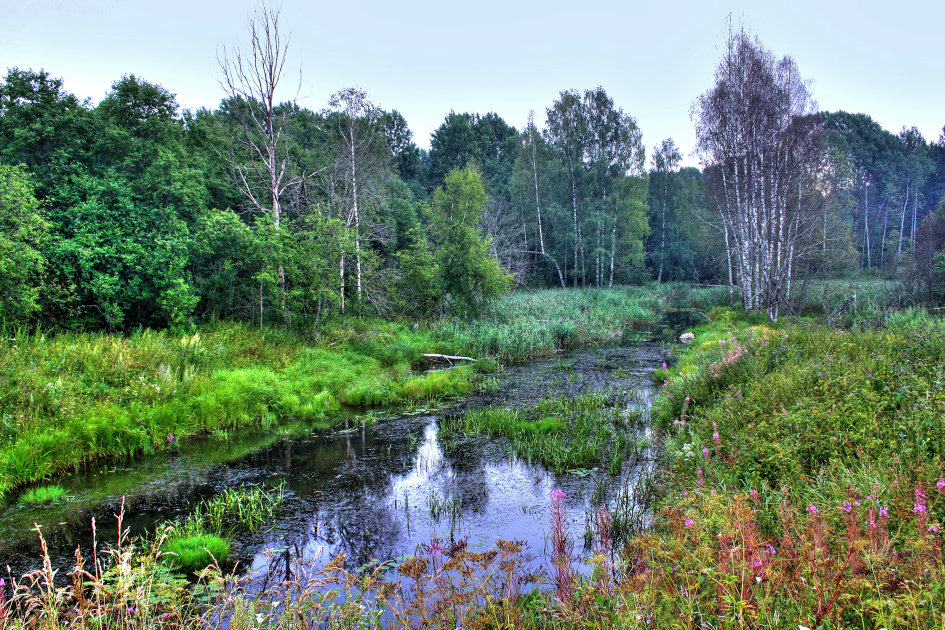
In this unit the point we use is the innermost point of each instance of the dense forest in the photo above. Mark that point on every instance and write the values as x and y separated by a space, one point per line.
131 213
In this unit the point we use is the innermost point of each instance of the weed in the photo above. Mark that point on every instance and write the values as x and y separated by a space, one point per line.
43 495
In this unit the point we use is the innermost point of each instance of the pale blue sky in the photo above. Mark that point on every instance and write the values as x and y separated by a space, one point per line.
886 59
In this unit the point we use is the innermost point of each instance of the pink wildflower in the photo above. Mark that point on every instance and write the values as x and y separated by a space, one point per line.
688 522
812 508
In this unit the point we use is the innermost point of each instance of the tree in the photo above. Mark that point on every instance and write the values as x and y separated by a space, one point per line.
756 127
527 186
566 133
663 196
468 273
251 78
362 166
614 151
23 232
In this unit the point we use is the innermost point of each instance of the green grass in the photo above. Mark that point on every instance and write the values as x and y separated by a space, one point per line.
524 325
42 495
193 553
71 399
798 454
560 433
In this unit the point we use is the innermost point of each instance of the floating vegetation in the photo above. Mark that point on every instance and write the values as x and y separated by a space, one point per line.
43 495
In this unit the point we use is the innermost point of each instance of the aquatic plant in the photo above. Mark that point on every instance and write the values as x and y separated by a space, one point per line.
42 495
196 552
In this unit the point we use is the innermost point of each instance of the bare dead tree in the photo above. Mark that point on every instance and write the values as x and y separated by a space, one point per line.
251 74
756 126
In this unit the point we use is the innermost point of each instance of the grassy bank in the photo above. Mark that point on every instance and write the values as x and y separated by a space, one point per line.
524 325
70 399
74 398
803 480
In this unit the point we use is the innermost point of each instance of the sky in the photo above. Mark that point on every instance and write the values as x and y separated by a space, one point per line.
426 58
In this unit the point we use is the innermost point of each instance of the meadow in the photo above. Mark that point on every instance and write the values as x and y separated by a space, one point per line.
799 484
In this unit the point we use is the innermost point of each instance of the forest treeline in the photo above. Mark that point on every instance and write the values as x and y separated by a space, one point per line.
133 213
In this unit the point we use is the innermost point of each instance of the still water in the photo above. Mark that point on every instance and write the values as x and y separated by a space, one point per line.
373 489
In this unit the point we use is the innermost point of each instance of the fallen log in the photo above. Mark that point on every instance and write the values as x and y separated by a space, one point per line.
447 357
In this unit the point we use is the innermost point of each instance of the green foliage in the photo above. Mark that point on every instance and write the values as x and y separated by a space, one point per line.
468 273
42 495
23 234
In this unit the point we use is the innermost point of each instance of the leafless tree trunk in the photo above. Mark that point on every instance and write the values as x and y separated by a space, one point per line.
251 77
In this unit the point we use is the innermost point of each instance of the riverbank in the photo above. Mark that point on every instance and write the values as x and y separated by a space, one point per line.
67 400
802 480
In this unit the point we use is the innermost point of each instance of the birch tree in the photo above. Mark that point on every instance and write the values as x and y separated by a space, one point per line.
359 165
756 125
567 133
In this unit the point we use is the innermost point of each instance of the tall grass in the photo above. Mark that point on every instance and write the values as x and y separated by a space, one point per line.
561 433
70 399
523 325
803 478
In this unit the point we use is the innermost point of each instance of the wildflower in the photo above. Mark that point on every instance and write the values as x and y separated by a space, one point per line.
941 485
705 451
919 506
812 509
715 437
756 564
932 529
770 550
715 425
686 493
171 438
941 482
688 522
884 511
846 506
713 491
558 494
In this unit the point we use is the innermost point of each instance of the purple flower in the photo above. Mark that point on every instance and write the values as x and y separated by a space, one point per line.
688 522
884 511
770 550
846 507
558 494
812 508
664 365
933 529
715 436
170 438
686 493
705 451
753 493
940 484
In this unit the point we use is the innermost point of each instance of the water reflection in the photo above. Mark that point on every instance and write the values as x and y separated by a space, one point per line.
375 492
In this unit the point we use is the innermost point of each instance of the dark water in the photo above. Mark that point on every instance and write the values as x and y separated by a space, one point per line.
373 491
